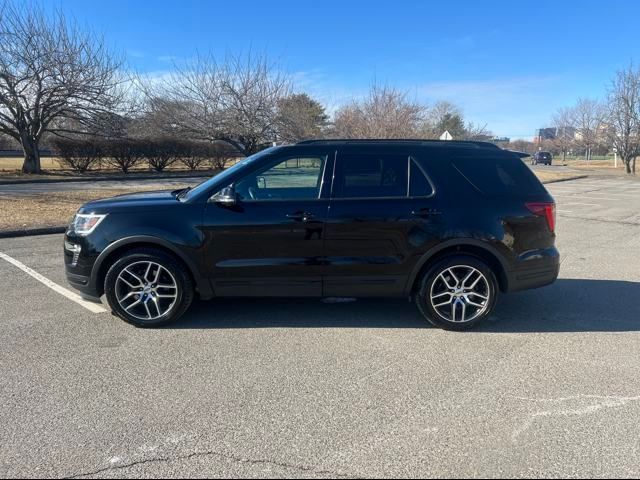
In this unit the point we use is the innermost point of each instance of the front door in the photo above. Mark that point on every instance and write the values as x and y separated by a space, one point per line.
270 243
383 216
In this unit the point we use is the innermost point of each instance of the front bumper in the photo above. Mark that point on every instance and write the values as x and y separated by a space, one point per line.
83 285
79 265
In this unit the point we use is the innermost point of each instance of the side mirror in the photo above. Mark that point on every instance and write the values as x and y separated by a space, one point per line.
226 196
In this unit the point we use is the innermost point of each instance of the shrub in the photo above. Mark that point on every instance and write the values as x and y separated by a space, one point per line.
79 155
160 152
124 153
192 154
219 155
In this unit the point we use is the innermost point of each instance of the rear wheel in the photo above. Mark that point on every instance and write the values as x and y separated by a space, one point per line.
457 293
148 288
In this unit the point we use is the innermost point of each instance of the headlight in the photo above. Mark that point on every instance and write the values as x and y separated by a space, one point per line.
84 224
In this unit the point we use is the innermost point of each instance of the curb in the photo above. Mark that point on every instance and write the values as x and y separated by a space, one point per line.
31 232
117 178
577 177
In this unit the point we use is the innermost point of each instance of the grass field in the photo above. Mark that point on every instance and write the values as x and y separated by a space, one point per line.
12 164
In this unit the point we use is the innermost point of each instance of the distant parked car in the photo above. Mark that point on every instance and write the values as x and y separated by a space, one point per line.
541 157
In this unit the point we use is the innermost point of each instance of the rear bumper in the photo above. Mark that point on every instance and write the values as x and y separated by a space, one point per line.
535 269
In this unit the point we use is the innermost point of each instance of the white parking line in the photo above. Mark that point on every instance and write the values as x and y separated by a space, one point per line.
92 307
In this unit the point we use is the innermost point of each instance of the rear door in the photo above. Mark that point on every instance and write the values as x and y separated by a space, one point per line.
383 214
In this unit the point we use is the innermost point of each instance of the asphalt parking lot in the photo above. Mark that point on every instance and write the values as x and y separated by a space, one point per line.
280 388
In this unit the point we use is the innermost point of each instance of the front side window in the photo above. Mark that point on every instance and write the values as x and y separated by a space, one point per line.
371 176
297 178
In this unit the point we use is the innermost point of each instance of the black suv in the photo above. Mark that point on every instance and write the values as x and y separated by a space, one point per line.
541 157
448 224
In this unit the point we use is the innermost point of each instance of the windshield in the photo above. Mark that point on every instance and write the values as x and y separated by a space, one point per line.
221 178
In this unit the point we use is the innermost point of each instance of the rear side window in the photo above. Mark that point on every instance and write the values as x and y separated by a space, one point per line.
499 176
371 176
419 185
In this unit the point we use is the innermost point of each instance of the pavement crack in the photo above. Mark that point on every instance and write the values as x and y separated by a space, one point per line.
212 453
574 406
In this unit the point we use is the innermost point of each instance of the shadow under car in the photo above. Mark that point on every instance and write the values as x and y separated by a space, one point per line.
569 305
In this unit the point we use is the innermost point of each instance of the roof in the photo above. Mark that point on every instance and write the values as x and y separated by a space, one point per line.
406 141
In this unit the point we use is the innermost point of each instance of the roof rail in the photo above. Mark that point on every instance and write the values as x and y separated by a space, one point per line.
462 143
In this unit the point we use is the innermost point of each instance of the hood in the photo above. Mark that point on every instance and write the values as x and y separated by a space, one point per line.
141 200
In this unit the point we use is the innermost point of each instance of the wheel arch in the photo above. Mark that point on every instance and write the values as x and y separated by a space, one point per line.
118 248
471 247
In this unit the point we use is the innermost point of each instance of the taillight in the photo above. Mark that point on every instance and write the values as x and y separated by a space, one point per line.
546 210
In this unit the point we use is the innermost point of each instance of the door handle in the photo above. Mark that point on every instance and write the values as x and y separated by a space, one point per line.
301 216
425 212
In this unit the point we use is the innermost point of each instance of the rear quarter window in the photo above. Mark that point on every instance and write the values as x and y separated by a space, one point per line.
499 176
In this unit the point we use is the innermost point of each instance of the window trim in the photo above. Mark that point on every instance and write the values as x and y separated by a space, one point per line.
284 159
410 158
426 175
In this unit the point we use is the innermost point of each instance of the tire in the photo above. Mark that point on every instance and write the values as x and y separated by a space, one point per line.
160 298
435 283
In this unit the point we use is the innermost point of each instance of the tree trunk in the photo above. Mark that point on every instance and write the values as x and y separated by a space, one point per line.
31 155
627 165
634 165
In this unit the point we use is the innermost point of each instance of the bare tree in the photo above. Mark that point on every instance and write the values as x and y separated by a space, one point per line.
473 131
564 121
522 146
235 101
5 142
49 69
624 115
384 113
300 117
589 120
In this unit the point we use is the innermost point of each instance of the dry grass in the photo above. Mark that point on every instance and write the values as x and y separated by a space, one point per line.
14 164
49 209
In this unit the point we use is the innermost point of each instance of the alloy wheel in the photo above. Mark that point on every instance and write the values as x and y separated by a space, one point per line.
460 294
146 290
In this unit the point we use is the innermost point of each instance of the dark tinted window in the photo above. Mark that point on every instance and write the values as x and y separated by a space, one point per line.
419 186
499 176
371 176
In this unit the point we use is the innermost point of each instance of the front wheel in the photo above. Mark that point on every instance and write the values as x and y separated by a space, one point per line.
148 288
457 293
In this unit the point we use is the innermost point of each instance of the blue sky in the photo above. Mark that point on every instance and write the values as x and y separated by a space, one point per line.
509 64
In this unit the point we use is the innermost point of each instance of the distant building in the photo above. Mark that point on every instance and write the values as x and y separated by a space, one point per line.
551 133
499 140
